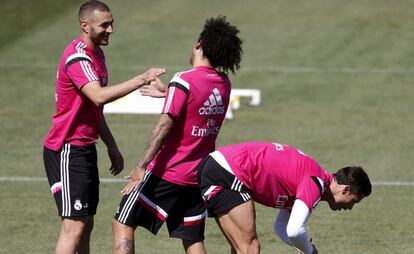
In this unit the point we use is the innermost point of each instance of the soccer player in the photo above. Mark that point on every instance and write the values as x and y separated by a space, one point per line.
278 176
69 148
194 109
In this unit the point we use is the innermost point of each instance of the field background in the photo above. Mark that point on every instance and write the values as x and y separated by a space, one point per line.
336 80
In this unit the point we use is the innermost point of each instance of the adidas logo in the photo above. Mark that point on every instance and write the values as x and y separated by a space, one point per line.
213 105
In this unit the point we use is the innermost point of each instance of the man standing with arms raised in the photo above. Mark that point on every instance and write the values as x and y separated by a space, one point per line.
194 109
69 149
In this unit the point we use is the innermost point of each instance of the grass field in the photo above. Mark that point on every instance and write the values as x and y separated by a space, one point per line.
336 80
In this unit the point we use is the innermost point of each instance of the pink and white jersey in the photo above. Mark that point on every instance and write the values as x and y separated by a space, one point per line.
277 174
197 99
76 119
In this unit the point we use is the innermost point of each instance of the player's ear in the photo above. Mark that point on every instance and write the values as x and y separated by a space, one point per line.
346 189
197 45
84 26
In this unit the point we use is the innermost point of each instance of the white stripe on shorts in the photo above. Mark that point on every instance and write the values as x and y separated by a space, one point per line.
245 196
237 185
209 190
196 217
128 206
126 209
153 205
64 176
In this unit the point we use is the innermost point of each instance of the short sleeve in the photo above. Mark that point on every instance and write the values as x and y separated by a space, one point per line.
176 98
80 70
310 191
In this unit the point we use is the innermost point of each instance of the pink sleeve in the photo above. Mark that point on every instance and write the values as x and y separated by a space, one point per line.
310 191
81 73
175 101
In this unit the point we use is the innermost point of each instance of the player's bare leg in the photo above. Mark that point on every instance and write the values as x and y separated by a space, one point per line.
70 235
194 247
232 250
123 238
239 227
84 244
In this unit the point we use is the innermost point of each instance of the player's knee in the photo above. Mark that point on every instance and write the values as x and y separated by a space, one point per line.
117 226
255 246
252 247
191 247
73 229
121 231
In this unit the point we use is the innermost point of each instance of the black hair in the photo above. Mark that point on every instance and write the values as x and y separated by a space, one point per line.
92 5
221 45
356 178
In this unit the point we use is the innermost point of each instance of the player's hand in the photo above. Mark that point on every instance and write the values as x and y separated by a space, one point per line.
156 71
155 89
135 178
117 161
149 76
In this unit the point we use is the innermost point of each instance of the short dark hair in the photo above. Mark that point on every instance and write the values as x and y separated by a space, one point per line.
221 45
92 5
356 178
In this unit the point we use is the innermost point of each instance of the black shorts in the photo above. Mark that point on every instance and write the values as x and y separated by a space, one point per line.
73 179
221 189
156 201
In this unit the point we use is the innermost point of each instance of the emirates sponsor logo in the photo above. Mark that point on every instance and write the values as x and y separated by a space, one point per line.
211 128
213 105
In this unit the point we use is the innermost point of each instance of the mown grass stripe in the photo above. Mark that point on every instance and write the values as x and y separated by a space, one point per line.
118 180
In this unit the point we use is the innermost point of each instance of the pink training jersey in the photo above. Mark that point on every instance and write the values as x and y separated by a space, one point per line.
277 174
76 120
197 99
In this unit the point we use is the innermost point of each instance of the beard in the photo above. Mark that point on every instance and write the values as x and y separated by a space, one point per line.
99 39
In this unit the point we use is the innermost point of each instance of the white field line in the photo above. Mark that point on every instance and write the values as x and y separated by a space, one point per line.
120 180
272 69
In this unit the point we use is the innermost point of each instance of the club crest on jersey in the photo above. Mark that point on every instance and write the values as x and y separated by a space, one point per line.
213 105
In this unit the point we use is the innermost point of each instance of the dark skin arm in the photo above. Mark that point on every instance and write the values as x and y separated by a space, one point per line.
155 143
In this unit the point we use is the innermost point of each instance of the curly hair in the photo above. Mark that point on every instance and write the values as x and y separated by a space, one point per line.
221 45
356 178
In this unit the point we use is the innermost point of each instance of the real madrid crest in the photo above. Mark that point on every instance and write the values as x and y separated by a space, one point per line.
77 205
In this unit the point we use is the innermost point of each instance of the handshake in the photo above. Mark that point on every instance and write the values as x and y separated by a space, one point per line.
150 84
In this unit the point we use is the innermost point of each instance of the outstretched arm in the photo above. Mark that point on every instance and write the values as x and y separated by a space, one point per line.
296 228
158 135
102 95
155 89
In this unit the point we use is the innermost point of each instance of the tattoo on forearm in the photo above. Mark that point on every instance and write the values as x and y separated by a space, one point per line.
126 246
156 141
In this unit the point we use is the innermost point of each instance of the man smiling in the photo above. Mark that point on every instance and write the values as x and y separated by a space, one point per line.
70 156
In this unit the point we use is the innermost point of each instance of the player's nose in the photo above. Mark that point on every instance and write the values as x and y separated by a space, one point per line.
110 29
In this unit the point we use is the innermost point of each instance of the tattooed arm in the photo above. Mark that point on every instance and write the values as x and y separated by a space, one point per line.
158 135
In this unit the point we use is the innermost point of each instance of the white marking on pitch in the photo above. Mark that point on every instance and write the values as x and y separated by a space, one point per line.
272 69
120 180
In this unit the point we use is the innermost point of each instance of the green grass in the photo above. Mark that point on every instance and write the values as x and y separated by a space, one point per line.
336 80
